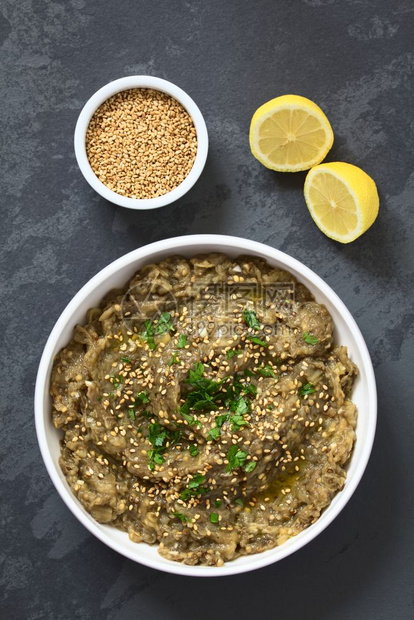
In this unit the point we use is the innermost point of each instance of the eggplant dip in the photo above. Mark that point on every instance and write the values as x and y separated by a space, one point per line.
205 407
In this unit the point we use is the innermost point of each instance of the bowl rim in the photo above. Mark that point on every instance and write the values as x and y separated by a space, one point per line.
126 83
223 242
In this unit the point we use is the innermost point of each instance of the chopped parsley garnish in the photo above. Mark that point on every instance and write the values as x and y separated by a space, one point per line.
182 341
189 418
194 487
183 518
214 434
239 502
147 414
236 457
204 397
240 406
159 436
248 373
147 334
231 353
237 422
126 360
117 381
307 337
211 395
249 388
164 323
251 319
306 389
131 414
174 360
255 340
217 503
250 466
214 518
220 419
266 371
193 449
195 374
142 397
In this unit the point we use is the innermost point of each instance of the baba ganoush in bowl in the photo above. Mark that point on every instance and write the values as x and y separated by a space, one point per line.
205 405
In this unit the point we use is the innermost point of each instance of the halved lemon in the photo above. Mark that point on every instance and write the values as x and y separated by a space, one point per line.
290 133
342 199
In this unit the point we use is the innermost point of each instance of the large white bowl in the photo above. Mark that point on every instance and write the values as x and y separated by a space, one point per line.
116 275
117 86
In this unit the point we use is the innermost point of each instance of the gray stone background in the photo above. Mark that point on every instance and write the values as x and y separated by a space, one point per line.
355 58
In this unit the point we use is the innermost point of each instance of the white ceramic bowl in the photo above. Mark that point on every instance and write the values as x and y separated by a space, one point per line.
117 86
116 275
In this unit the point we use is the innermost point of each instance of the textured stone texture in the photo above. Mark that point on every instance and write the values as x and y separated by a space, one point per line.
356 60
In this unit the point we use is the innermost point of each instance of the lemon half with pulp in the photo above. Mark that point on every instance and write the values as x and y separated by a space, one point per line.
342 199
290 133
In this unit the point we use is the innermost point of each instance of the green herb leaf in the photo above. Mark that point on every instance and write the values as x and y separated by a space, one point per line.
195 374
193 449
131 414
214 434
195 487
239 502
217 503
147 414
182 341
174 360
251 319
158 458
250 466
266 371
157 435
164 323
255 340
249 388
117 381
188 417
240 406
142 397
236 457
220 419
231 353
214 518
183 518
237 422
248 373
306 389
126 360
307 337
147 334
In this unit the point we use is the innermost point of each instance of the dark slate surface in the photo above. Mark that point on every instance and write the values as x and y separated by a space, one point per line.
355 59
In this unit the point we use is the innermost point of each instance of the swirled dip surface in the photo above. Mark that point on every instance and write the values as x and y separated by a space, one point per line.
205 407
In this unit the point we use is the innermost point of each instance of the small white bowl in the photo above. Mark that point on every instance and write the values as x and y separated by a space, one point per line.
116 275
126 83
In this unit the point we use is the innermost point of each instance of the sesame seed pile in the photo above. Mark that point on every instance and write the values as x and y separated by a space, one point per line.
182 436
141 143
